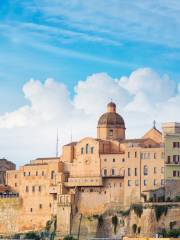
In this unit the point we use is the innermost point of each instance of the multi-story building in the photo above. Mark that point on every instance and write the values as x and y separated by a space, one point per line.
171 137
92 175
5 165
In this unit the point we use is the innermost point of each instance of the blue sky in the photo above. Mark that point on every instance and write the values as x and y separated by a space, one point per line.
92 51
69 40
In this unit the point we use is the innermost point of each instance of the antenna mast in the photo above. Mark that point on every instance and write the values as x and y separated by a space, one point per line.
57 144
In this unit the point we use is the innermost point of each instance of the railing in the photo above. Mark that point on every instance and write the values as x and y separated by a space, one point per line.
8 195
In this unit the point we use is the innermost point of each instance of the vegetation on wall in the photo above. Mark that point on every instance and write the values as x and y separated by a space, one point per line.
125 213
172 224
115 222
174 233
100 220
138 209
48 225
139 230
134 228
32 235
69 238
160 210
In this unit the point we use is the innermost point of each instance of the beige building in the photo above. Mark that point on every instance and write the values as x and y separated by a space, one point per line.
91 176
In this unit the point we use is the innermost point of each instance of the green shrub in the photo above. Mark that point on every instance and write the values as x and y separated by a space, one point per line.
48 225
177 199
100 220
168 199
160 210
32 235
172 224
173 233
138 209
115 222
125 213
69 238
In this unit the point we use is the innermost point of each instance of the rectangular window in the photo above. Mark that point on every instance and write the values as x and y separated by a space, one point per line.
162 182
52 174
27 189
135 171
33 188
82 150
135 154
155 170
36 173
174 173
39 188
129 183
129 172
154 155
136 182
176 159
24 174
114 159
15 176
155 182
42 173
128 154
145 182
169 159
92 149
31 209
40 206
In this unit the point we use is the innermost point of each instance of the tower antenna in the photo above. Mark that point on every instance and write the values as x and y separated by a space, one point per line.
57 144
71 134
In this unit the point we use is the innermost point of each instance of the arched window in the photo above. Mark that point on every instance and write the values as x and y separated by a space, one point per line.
145 170
82 150
87 148
111 132
105 172
113 172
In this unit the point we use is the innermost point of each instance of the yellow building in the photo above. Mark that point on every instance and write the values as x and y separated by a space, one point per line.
91 176
171 137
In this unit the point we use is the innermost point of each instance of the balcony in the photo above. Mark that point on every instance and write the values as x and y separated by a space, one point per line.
84 181
113 176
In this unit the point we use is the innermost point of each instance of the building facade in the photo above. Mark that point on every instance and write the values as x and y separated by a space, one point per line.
94 175
5 165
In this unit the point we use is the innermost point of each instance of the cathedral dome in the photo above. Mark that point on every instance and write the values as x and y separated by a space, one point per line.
111 118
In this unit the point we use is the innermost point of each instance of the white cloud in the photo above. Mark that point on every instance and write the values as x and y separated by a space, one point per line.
30 131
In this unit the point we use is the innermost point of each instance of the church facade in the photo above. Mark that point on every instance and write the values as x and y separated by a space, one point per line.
96 174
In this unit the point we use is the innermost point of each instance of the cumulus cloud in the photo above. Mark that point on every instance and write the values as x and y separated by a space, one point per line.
141 97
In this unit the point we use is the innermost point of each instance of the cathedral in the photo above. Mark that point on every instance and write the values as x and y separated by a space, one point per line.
96 174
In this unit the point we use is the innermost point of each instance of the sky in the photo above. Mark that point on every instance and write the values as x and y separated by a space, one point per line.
61 62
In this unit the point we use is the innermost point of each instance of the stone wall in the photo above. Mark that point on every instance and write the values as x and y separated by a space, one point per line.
101 225
9 215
